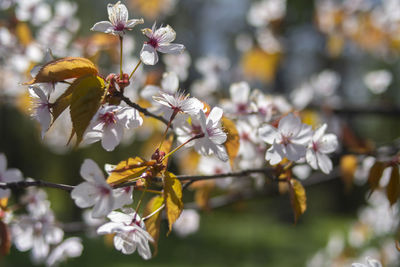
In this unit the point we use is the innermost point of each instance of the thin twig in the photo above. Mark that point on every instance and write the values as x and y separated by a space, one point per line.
37 183
141 109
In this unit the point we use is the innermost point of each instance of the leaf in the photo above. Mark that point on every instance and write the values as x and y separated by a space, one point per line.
127 170
232 142
375 174
63 101
153 222
23 33
85 101
5 239
297 198
166 147
64 68
393 188
203 192
348 166
173 198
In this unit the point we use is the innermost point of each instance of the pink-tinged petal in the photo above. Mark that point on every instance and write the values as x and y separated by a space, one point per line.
91 172
311 158
3 163
103 26
165 34
117 13
218 136
44 118
37 92
133 22
112 137
148 55
104 206
324 163
239 92
12 175
85 195
122 197
294 151
215 116
328 144
319 133
173 49
268 133
130 118
170 82
192 106
120 217
289 125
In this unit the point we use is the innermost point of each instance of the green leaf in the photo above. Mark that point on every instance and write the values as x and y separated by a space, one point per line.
173 198
298 198
393 188
153 222
85 101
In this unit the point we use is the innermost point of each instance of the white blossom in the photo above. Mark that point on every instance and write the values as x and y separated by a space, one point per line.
41 107
7 176
119 23
69 248
370 263
130 233
95 191
289 140
378 81
207 131
159 40
187 223
109 123
321 144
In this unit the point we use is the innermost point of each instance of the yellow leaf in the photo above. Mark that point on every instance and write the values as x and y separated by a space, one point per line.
153 222
166 147
348 166
62 102
127 170
375 174
173 198
203 192
64 68
260 65
3 203
85 101
23 33
393 188
232 142
297 198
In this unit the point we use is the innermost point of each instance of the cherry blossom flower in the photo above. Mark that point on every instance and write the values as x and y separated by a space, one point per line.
289 140
240 99
69 248
178 103
7 176
41 107
179 64
187 223
159 40
95 191
169 85
321 144
35 199
109 123
378 81
370 263
36 232
119 23
206 131
130 233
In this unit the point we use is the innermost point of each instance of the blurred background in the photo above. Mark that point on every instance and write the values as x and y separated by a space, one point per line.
337 61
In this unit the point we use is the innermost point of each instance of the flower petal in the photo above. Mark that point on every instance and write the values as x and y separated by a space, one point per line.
85 195
165 34
133 22
103 26
148 55
171 48
91 172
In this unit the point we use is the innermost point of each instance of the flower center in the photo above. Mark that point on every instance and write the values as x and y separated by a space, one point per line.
315 146
285 140
242 108
104 190
120 26
108 118
196 129
153 42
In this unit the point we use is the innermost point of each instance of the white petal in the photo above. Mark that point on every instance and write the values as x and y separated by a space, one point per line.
294 151
104 206
311 158
215 116
171 48
319 132
108 228
44 118
268 133
170 82
149 91
165 34
133 22
328 144
54 235
91 172
112 136
120 217
148 55
239 92
324 163
85 195
103 26
289 125
11 175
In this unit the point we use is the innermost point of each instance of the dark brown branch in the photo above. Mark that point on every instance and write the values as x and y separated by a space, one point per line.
141 109
37 183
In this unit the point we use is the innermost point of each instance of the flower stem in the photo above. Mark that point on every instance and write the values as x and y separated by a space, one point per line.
134 70
168 125
154 212
120 56
176 149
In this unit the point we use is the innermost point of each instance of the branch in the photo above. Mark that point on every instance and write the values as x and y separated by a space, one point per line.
346 110
140 109
37 183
